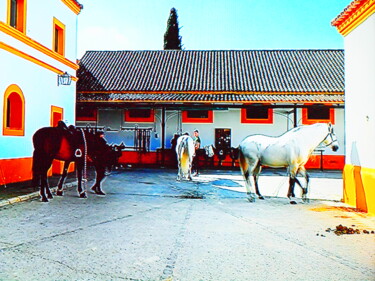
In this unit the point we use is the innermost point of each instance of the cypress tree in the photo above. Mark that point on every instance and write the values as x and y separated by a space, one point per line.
172 38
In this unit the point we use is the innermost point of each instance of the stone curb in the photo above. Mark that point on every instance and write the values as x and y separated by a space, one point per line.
26 197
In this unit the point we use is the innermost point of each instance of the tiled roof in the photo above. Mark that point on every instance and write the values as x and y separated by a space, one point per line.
348 11
212 98
257 71
353 15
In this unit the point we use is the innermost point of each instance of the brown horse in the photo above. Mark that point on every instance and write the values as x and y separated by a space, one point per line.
70 145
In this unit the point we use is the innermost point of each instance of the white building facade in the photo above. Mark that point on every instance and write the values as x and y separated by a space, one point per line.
145 97
357 24
38 43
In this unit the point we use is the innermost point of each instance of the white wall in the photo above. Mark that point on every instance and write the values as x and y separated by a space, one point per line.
39 24
38 84
360 94
230 119
3 10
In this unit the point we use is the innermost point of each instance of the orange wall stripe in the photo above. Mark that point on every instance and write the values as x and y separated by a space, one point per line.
73 5
32 59
37 46
359 185
330 162
208 102
15 170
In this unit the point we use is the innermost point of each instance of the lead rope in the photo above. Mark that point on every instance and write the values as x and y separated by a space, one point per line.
84 177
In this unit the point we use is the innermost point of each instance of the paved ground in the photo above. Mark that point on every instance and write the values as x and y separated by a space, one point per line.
150 227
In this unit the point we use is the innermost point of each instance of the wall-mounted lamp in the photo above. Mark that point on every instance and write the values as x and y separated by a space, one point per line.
64 79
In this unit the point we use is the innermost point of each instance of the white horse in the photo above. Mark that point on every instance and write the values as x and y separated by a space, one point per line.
185 152
291 150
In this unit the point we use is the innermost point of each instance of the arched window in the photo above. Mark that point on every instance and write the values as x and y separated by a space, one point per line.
14 112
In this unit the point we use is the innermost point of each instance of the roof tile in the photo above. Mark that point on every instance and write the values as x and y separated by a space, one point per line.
212 71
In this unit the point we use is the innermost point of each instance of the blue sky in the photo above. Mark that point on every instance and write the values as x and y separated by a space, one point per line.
210 24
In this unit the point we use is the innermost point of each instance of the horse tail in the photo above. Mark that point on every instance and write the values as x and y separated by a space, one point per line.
184 160
36 169
37 158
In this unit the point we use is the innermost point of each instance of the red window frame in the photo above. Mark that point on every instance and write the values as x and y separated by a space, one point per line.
246 120
92 116
17 14
14 112
150 119
307 121
187 119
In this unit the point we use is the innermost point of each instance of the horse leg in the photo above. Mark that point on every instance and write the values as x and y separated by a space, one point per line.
49 193
256 177
59 191
100 175
179 169
190 167
292 182
43 180
247 170
81 192
303 172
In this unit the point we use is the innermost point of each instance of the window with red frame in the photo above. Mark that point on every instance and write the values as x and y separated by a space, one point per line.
17 14
86 114
140 115
14 112
257 114
197 116
318 114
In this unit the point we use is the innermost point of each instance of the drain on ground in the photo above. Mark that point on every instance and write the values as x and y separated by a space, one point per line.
191 196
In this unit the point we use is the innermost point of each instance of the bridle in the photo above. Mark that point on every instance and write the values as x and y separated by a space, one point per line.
329 135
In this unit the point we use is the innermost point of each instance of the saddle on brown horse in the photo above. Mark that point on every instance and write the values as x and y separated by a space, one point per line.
70 144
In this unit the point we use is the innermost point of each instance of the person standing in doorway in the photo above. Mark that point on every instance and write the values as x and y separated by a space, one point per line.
197 145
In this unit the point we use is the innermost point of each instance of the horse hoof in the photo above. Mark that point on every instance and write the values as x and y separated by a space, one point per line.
261 197
305 200
44 199
251 199
49 196
293 202
83 195
99 192
59 193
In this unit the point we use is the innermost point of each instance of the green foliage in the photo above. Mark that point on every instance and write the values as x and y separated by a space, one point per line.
172 38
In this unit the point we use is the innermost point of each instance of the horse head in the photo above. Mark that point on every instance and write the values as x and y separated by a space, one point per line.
331 139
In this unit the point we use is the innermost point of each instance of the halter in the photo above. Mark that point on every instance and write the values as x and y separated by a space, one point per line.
84 178
332 141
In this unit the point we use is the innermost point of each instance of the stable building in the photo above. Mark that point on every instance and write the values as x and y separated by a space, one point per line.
144 98
357 24
38 50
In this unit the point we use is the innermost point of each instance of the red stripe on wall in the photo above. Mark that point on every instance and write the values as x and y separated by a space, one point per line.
330 162
15 170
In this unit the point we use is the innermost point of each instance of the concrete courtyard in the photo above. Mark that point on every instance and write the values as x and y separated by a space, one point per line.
151 227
